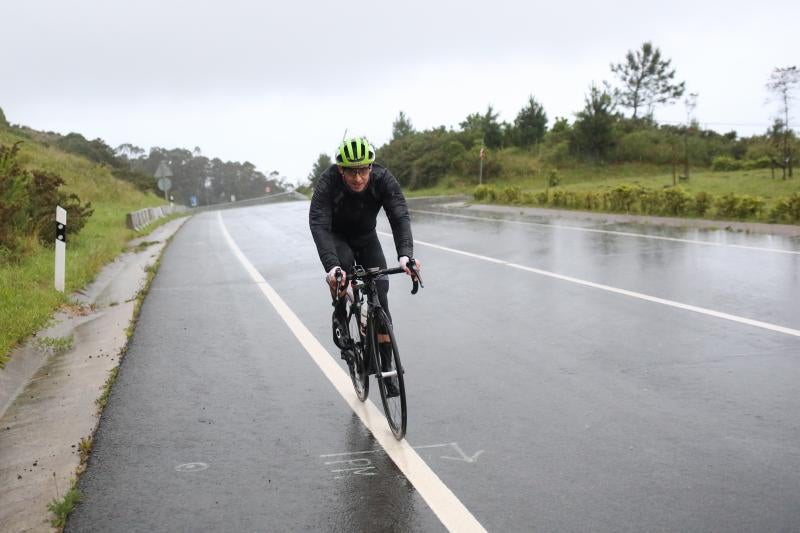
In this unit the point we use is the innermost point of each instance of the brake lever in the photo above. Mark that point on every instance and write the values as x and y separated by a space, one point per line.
337 291
416 280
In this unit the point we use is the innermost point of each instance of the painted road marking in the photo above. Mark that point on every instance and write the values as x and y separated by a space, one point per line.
360 466
346 464
632 294
610 232
462 456
445 505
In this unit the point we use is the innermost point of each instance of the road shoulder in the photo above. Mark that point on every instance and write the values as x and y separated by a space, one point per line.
48 410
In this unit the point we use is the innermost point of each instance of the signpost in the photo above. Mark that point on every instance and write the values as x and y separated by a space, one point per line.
162 175
61 247
483 156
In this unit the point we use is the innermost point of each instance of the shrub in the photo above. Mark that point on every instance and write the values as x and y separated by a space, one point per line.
591 200
623 197
702 203
552 178
558 198
510 195
427 170
651 201
45 196
556 153
761 162
750 207
676 201
727 205
645 145
28 201
740 207
786 209
724 162
14 197
481 192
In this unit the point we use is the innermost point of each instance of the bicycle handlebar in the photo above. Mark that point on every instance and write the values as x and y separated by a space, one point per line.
358 272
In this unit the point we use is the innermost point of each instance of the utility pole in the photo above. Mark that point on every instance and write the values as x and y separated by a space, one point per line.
691 103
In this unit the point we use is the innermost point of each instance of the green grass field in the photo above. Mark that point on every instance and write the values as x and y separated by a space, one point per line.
525 172
27 296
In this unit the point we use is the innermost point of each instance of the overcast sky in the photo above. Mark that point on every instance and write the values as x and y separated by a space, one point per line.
278 83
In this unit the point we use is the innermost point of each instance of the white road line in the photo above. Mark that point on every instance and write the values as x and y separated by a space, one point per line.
609 232
447 507
654 299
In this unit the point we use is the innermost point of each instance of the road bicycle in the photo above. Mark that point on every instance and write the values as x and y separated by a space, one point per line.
359 340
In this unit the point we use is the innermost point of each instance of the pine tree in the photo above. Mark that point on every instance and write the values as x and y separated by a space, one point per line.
530 124
646 80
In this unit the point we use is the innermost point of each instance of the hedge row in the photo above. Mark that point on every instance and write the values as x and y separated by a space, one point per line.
634 199
724 162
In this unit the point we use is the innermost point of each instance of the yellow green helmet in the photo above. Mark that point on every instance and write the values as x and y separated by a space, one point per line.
355 152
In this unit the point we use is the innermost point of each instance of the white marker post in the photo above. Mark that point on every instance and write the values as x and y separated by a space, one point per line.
61 247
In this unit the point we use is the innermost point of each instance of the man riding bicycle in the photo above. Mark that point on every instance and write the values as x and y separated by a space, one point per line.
343 217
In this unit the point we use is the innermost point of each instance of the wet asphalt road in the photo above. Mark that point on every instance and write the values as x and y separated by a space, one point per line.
543 404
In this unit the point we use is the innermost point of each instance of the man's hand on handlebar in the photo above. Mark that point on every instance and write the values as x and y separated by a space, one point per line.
336 276
408 264
412 267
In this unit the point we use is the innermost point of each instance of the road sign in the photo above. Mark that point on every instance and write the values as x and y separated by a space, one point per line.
163 171
164 184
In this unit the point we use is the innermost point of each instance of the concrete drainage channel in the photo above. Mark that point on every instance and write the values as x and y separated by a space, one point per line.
52 389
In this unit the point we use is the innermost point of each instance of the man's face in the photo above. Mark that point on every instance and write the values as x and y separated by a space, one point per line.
356 178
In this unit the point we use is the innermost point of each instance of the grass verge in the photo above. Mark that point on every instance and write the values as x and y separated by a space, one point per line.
747 195
56 345
28 298
61 508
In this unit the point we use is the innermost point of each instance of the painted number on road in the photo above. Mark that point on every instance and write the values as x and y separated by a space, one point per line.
361 466
358 463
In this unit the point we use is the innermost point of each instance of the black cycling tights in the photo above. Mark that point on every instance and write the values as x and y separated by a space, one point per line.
367 252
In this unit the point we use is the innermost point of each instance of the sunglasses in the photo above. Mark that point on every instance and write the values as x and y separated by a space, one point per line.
360 171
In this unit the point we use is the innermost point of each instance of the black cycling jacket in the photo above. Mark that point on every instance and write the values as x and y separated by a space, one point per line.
335 209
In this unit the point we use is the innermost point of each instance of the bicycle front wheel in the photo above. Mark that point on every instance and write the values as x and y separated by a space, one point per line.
359 373
389 373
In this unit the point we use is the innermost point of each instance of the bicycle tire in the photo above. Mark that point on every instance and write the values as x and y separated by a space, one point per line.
359 373
394 407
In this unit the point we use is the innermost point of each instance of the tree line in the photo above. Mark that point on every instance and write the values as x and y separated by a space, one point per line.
209 180
615 125
193 175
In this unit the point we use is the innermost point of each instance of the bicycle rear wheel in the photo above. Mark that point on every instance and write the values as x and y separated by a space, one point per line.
389 373
359 373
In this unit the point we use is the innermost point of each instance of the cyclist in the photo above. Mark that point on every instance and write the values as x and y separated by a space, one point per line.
343 216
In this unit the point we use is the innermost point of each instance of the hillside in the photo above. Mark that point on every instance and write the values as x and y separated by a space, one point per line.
27 296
